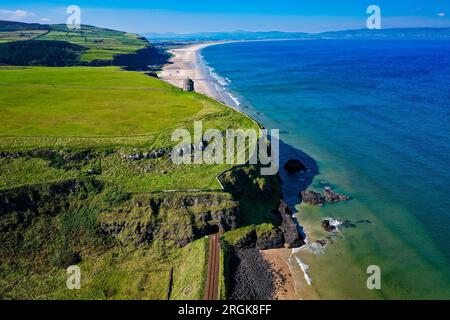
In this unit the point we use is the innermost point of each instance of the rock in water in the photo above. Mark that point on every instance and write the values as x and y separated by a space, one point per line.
294 165
331 196
292 237
312 198
327 226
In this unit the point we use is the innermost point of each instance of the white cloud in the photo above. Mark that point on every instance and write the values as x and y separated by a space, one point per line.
16 14
441 14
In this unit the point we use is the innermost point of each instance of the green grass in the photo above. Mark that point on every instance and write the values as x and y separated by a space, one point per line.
102 44
35 249
8 36
189 276
84 101
106 111
103 109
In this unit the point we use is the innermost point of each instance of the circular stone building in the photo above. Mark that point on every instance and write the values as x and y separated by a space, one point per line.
188 85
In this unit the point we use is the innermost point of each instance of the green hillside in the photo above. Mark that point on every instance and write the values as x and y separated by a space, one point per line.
86 177
102 46
106 112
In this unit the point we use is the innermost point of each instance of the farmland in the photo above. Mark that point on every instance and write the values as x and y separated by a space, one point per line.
75 123
71 194
102 44
107 111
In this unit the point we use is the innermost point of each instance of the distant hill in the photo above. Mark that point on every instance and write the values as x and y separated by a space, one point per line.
40 53
100 46
235 35
400 33
20 26
397 33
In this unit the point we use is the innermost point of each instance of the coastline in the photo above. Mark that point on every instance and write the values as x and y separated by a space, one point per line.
188 62
284 281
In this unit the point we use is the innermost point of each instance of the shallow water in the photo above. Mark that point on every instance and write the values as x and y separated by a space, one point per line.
375 118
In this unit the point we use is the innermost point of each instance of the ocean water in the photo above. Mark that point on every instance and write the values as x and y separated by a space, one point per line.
373 118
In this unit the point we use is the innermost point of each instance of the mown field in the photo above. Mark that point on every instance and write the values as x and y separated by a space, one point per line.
108 112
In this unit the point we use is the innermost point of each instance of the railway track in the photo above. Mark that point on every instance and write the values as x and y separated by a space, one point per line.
212 279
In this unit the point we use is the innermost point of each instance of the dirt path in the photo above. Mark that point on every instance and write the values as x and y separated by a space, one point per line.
212 279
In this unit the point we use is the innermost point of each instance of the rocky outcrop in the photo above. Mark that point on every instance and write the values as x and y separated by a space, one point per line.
294 165
153 154
331 196
247 240
10 155
292 237
270 239
177 218
252 237
316 199
312 198
46 198
328 226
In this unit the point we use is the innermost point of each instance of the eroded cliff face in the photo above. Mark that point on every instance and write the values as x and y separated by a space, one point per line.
48 198
177 218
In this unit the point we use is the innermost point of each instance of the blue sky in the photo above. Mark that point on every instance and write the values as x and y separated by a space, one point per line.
228 15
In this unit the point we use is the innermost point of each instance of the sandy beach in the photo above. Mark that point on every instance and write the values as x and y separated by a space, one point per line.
187 62
284 281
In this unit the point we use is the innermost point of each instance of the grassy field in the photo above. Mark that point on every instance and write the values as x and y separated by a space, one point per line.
8 36
34 254
103 44
76 123
85 101
108 111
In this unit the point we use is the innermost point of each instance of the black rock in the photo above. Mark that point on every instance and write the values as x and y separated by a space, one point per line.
247 241
312 198
271 239
251 276
292 237
327 226
294 165
331 196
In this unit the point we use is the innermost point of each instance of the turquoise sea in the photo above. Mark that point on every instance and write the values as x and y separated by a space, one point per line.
373 119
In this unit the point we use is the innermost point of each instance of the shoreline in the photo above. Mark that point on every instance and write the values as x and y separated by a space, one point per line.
284 281
324 283
188 62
